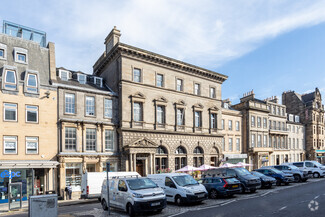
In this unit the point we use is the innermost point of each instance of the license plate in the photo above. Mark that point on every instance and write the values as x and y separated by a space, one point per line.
235 186
200 195
155 204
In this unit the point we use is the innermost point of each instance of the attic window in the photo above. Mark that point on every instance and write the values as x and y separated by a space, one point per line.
32 84
82 78
10 81
98 81
64 75
21 55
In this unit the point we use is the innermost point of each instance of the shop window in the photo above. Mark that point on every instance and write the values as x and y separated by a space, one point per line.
108 108
109 140
70 138
90 139
31 114
161 159
10 144
90 105
70 103
10 112
73 173
31 145
113 167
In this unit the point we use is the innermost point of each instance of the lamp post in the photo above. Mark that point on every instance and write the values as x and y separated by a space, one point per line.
108 165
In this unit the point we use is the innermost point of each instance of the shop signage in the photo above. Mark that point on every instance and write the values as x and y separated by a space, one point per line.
320 155
7 174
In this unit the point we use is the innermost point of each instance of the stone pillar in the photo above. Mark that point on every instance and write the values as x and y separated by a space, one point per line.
79 138
146 167
130 163
150 164
62 179
134 162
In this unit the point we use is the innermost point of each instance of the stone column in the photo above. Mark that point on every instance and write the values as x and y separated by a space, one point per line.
134 162
146 167
150 164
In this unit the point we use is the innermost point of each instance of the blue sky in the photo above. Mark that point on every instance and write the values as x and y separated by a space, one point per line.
266 45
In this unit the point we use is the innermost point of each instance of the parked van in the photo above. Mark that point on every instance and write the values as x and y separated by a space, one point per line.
91 182
299 175
180 187
313 167
133 194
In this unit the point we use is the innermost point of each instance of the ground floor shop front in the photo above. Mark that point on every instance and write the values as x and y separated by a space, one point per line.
149 153
36 178
73 165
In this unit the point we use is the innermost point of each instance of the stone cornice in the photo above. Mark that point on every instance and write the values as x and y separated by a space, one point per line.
127 50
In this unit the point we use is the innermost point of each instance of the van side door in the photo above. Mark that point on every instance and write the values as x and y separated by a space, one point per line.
169 188
121 194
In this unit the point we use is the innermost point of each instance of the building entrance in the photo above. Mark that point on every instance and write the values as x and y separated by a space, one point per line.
140 167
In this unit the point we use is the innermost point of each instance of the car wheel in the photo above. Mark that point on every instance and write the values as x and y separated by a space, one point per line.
130 210
278 182
178 200
252 190
104 205
297 178
287 183
316 175
213 194
269 185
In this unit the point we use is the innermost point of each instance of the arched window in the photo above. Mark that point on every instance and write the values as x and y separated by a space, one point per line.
161 159
214 159
198 150
161 150
180 159
198 158
180 150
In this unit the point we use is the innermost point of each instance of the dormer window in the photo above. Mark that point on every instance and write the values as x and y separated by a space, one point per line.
98 81
10 80
3 51
31 82
21 55
64 75
82 78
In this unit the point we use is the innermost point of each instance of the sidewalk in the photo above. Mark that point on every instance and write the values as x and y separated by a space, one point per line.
4 206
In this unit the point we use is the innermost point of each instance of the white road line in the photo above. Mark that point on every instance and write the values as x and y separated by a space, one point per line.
282 208
316 197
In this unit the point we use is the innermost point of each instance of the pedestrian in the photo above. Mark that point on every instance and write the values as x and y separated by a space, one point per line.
70 191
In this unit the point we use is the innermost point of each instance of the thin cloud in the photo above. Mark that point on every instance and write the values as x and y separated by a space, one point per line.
206 33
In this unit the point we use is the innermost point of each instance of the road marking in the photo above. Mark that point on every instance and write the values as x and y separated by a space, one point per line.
282 208
316 197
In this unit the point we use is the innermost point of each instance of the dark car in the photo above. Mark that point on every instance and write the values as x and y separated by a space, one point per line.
218 186
298 175
278 175
266 181
248 182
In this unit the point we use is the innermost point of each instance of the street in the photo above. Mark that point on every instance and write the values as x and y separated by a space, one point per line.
297 199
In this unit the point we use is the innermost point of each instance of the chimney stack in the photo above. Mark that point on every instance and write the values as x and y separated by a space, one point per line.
112 39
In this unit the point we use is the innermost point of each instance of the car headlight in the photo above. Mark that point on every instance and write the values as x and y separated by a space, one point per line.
137 195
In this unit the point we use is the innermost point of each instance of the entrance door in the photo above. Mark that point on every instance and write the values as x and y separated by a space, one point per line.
15 196
140 167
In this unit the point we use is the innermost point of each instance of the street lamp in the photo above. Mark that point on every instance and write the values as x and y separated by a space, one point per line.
108 165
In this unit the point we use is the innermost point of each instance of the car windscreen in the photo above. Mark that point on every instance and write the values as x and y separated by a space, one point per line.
138 184
242 171
185 180
258 174
317 164
231 181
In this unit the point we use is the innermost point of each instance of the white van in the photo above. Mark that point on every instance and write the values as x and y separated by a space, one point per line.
133 193
313 167
91 182
180 187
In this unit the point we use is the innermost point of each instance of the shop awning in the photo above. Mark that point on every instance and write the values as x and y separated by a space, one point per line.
12 164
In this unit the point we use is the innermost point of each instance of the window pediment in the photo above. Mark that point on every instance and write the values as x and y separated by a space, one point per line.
180 103
138 95
214 108
161 99
198 106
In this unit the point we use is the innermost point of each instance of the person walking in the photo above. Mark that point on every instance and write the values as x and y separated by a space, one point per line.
68 191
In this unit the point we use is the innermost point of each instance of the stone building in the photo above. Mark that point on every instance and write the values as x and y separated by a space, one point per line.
296 138
310 109
28 111
169 110
255 134
278 132
231 127
87 114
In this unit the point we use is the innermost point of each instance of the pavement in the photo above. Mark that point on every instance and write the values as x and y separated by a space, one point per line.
282 201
